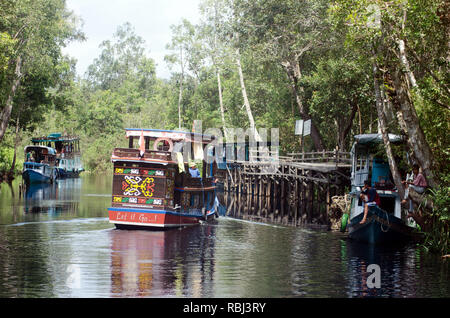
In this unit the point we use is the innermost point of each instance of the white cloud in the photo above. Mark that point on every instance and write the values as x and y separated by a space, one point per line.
150 18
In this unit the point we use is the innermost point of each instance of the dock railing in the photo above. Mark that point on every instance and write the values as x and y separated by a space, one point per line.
330 157
334 156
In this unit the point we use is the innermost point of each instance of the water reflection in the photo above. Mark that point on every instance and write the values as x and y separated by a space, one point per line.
403 271
162 263
55 198
55 227
359 257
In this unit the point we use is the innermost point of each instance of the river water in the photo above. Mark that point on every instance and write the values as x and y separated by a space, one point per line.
56 241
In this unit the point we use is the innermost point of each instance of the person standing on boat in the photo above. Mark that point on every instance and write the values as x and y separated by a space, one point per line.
194 171
418 184
370 197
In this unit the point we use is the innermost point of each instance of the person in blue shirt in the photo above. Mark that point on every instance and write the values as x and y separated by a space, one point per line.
370 197
194 171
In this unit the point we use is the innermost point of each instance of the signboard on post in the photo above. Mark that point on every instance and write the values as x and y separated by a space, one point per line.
299 127
307 128
303 128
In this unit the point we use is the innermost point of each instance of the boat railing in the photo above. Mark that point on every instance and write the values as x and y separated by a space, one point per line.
130 153
33 165
198 182
68 155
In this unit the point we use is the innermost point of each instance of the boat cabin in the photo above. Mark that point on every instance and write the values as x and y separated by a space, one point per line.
68 154
366 165
40 154
39 164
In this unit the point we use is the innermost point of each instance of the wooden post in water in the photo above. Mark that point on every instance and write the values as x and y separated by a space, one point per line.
328 202
303 201
296 199
269 197
261 195
283 196
275 201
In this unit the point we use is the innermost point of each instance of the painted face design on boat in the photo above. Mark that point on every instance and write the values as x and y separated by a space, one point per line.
135 186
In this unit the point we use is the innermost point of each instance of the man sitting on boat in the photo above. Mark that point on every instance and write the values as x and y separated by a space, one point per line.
370 196
194 171
418 184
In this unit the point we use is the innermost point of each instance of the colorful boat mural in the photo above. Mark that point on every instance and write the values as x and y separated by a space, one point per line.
152 186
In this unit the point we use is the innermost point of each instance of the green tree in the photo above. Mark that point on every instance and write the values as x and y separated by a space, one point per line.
283 32
122 61
188 55
32 33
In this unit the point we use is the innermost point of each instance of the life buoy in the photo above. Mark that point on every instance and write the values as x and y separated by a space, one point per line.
158 140
344 222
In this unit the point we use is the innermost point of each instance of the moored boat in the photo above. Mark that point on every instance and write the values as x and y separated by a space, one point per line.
68 154
152 187
386 223
39 165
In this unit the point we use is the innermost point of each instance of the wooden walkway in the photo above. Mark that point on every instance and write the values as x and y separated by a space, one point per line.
292 190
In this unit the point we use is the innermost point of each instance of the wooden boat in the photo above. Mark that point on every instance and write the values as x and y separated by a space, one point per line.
386 223
39 165
150 191
68 154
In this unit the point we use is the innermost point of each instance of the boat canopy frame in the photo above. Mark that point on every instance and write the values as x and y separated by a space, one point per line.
361 155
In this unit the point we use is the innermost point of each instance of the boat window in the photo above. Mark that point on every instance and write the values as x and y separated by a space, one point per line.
163 144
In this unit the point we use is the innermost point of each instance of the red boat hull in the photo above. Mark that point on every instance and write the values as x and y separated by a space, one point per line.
123 217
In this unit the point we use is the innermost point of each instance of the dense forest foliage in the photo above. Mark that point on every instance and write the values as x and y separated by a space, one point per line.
351 66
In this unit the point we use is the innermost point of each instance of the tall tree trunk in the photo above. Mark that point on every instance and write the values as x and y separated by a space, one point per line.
343 131
359 119
222 110
16 141
416 137
216 64
294 74
383 127
6 112
180 93
405 64
245 97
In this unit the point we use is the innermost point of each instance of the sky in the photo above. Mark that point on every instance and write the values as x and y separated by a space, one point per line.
151 20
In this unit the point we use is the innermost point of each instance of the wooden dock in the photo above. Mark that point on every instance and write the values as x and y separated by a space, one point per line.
293 190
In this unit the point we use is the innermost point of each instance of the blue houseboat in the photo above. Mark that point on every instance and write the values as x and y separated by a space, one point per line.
68 154
40 164
386 222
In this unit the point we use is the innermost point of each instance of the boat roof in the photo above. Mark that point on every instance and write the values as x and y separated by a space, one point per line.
366 139
55 137
50 150
171 134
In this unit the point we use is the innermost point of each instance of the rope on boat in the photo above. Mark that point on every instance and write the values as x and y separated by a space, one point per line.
387 220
